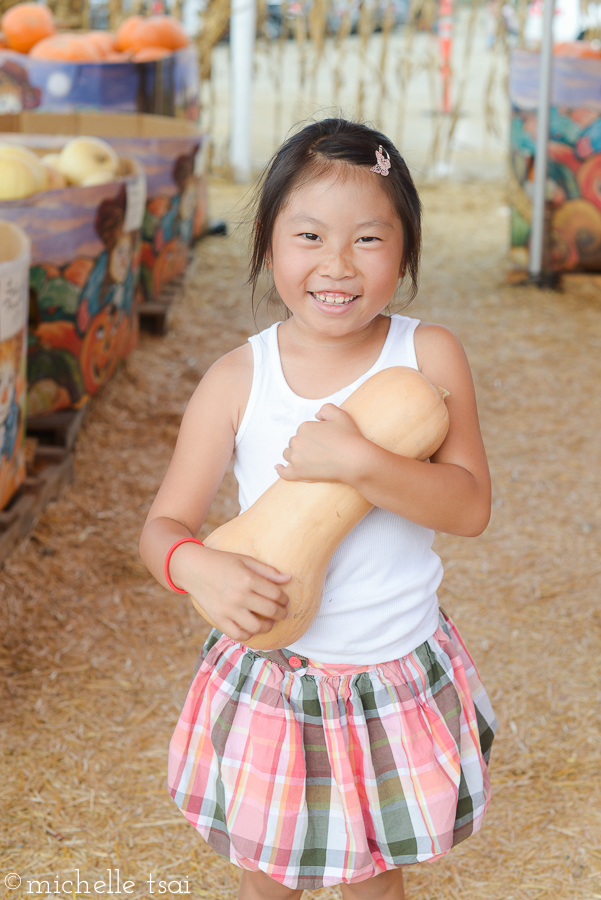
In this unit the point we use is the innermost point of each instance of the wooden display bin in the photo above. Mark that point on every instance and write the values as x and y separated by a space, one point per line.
171 153
163 87
85 255
15 256
574 161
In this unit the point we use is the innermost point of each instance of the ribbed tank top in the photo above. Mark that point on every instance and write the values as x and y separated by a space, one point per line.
379 600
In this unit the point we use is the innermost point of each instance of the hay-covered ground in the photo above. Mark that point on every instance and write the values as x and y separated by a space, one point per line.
96 658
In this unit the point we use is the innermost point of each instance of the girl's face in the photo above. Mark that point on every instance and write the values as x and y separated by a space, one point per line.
336 251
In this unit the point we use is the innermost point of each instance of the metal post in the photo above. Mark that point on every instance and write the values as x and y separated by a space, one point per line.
242 43
537 234
445 42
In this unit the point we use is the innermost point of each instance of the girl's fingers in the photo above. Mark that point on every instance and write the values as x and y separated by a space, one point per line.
287 474
236 632
268 609
246 625
328 412
268 572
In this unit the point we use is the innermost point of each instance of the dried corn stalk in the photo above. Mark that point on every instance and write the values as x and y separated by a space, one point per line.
317 21
329 58
215 20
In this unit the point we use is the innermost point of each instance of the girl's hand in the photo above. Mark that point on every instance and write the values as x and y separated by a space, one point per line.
331 449
241 595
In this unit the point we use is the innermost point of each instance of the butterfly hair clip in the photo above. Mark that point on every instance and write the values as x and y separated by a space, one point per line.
383 164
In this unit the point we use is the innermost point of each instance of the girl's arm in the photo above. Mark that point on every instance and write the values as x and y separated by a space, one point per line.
451 493
240 595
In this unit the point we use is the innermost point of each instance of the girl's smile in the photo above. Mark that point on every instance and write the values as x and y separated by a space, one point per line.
335 298
330 259
335 303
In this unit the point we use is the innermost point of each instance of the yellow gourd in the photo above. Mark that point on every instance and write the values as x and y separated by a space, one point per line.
297 526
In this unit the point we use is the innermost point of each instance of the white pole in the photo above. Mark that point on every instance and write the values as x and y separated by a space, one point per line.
242 44
537 234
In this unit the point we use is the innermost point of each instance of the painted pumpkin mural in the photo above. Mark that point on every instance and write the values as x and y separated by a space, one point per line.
98 356
176 208
14 268
574 163
67 73
86 255
93 299
12 418
168 226
16 93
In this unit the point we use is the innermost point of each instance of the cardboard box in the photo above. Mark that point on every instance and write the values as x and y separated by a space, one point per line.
165 87
15 255
85 256
574 160
172 154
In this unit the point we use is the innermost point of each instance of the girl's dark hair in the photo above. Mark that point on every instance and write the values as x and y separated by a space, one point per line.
311 153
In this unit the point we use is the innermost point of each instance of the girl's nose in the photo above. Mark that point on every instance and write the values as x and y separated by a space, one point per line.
337 264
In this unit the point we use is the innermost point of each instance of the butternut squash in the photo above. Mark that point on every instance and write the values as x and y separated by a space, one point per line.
297 526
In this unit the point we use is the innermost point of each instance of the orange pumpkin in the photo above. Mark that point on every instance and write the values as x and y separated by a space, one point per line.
589 180
50 270
68 47
98 357
580 221
102 40
159 31
60 333
116 57
577 49
158 206
564 252
79 270
125 32
170 263
127 335
25 24
149 54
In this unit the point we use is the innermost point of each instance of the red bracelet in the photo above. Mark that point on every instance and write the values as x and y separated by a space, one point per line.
189 540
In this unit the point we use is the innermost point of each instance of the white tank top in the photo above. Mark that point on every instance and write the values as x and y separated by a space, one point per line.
379 600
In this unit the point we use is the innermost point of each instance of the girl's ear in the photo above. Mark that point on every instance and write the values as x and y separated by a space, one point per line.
268 263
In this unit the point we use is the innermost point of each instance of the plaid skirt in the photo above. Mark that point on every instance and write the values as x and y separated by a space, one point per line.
319 774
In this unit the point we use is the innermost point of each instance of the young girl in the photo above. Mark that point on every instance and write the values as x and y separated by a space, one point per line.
363 746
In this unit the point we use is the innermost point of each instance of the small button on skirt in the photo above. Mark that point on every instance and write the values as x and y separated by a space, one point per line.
319 774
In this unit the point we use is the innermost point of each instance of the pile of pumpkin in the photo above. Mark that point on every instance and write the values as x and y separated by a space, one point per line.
31 28
83 161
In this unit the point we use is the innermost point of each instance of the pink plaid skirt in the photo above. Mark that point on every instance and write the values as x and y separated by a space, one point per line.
324 774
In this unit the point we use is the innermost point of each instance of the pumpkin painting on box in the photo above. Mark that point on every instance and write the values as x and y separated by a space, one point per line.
60 83
574 160
85 262
175 208
16 91
12 414
14 281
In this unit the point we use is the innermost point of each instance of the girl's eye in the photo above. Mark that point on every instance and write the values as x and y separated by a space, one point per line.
368 240
309 236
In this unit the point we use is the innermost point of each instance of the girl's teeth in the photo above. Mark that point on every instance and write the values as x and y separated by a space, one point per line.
333 299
